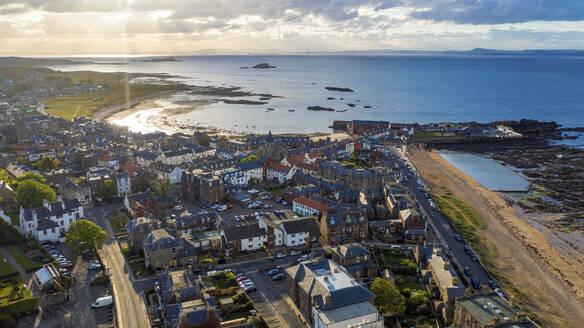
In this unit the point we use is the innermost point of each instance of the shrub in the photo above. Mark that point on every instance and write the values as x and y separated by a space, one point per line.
100 280
20 307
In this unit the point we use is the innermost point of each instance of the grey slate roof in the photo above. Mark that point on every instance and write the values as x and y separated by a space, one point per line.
342 219
306 224
243 232
54 209
160 239
352 250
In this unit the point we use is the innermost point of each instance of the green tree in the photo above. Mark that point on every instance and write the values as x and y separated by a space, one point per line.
30 175
249 158
161 187
31 193
7 177
388 299
416 302
84 235
107 190
46 164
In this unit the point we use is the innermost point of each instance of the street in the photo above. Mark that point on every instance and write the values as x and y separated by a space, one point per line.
130 309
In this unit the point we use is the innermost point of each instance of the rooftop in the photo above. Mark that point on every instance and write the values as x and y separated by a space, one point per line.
485 307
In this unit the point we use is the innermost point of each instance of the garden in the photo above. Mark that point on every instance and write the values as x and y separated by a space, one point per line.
118 224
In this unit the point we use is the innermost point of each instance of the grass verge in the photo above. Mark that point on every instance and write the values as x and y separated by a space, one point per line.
21 258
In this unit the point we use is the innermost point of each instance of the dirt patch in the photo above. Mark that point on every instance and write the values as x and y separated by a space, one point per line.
540 279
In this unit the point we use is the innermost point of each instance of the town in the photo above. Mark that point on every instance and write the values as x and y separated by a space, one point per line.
108 228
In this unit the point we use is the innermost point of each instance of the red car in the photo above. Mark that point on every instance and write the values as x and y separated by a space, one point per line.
230 207
242 278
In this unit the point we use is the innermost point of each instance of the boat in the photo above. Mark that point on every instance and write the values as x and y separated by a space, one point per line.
291 110
270 108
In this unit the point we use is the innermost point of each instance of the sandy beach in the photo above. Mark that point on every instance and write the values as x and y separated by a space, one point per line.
106 112
551 284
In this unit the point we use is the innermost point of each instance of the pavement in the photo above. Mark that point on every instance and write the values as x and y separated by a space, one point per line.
130 307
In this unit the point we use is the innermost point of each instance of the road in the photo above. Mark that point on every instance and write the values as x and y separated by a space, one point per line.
130 309
446 234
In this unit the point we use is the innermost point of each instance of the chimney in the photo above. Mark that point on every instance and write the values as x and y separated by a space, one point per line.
446 265
521 316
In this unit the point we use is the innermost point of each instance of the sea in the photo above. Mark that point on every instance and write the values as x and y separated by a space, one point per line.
395 88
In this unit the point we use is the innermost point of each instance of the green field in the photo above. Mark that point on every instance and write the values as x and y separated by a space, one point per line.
118 223
21 258
90 103
6 269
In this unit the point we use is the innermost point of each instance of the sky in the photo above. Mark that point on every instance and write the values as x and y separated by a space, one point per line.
114 27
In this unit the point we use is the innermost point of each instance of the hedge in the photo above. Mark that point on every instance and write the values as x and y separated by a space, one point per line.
99 280
20 307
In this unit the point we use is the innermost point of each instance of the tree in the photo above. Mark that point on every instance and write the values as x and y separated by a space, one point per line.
6 177
388 299
31 194
416 302
107 190
249 158
85 236
161 187
30 175
46 163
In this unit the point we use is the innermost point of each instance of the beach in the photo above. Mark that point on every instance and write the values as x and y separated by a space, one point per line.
544 279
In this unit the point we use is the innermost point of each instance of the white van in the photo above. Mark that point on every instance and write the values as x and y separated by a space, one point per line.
102 301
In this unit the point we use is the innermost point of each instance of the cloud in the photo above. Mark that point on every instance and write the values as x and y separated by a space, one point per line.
498 11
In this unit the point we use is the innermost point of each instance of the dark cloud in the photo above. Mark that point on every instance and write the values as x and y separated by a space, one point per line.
498 11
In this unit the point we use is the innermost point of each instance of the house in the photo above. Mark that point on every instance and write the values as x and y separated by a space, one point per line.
488 311
252 171
278 173
50 222
197 222
110 161
328 296
138 229
232 175
202 186
176 157
305 206
357 260
123 183
244 238
414 226
344 227
300 231
183 304
145 158
138 204
359 126
71 190
395 203
163 248
448 283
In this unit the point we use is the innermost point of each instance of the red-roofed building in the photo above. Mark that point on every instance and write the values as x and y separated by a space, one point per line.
306 206
276 172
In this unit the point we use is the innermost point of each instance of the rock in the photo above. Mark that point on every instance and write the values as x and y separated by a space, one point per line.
339 89
244 67
265 98
330 98
320 108
263 66
366 106
351 105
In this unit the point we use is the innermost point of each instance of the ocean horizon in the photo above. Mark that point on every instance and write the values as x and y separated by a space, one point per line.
397 88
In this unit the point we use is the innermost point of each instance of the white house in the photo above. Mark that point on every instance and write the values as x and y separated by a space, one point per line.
176 157
231 175
299 231
243 239
252 170
306 206
145 158
266 223
50 222
123 183
276 172
38 154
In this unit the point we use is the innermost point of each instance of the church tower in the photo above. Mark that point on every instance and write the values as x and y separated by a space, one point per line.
21 131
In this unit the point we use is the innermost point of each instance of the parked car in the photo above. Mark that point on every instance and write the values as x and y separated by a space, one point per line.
475 283
273 272
267 206
277 277
294 252
467 271
467 250
458 238
242 278
179 208
492 284
280 255
102 301
250 289
303 258
474 258
246 283
94 266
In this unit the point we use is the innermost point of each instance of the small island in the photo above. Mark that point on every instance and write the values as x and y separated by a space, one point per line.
339 89
320 108
158 59
263 66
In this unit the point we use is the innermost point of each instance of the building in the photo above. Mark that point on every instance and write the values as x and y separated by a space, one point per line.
488 311
299 231
414 226
448 283
305 206
360 126
50 222
395 203
203 187
252 171
243 239
138 229
231 175
344 227
328 296
198 222
123 183
278 173
357 260
138 204
162 248
45 276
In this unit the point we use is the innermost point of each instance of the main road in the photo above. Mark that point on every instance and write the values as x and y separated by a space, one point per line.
130 309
